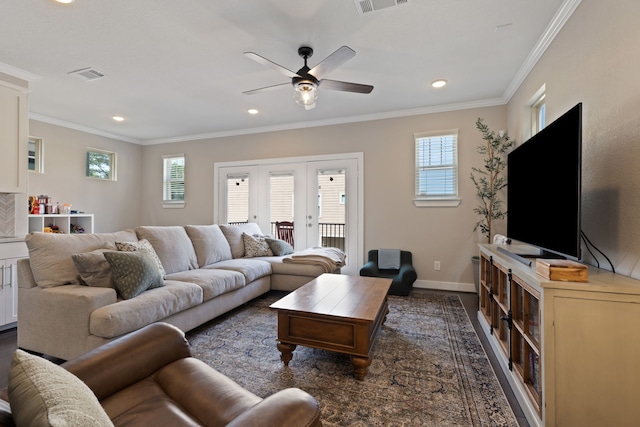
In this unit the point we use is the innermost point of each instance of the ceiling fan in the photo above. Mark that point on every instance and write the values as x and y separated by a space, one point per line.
307 80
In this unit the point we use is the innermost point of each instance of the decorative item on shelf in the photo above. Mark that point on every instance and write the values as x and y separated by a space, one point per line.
76 229
489 180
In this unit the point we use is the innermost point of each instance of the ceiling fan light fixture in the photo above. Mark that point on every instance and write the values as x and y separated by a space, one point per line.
306 94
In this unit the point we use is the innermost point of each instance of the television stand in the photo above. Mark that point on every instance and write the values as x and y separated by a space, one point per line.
526 259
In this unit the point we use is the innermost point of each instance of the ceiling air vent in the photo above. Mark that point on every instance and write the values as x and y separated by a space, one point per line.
367 6
86 74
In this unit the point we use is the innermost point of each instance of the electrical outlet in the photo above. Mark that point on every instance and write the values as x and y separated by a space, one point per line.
436 265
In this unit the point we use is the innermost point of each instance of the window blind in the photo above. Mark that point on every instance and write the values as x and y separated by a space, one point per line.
173 179
436 165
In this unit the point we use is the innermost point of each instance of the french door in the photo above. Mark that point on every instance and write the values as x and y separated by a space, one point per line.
320 195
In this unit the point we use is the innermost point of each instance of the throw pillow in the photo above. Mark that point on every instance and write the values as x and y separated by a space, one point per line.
143 245
42 393
255 246
133 272
93 267
280 247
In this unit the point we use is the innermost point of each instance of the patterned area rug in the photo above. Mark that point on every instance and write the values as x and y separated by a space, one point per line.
428 369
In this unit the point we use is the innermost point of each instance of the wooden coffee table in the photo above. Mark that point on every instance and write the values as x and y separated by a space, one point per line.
334 312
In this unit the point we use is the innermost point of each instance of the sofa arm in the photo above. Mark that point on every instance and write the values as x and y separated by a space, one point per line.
291 407
129 359
55 321
408 273
370 269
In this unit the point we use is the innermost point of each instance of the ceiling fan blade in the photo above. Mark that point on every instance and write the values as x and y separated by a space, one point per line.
345 86
332 62
266 89
264 61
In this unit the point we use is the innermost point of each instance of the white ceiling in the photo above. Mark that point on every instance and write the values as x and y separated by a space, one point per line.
176 70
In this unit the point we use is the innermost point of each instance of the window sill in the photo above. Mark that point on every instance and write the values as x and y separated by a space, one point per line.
436 203
173 205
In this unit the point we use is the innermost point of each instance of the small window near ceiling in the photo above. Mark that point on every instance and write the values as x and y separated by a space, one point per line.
538 114
173 181
101 164
36 160
436 171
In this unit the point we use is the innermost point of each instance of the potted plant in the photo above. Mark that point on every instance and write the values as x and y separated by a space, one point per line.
489 181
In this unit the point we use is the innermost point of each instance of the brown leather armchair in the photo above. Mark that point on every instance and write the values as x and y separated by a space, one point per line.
149 378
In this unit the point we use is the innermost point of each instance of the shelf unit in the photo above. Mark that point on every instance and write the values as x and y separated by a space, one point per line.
569 350
64 222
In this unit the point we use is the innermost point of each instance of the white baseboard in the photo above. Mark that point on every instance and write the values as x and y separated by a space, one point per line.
445 286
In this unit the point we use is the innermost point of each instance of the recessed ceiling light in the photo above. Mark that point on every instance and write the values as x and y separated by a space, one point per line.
65 1
439 83
118 118
253 111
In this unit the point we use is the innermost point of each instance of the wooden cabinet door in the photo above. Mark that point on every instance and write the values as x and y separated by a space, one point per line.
13 139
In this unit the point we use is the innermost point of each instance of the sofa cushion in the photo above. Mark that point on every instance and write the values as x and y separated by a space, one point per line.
233 233
212 282
209 243
50 254
93 267
251 269
279 247
151 306
133 272
173 246
42 393
142 245
255 246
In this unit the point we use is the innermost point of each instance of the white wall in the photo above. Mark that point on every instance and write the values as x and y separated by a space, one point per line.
116 205
391 219
595 60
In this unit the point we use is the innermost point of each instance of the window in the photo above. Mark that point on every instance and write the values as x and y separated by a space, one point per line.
101 164
173 181
36 163
436 169
538 112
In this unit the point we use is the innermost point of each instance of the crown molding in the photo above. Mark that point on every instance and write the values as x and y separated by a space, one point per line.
559 19
74 126
337 121
17 72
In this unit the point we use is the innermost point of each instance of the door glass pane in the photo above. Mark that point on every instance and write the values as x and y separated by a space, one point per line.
332 201
281 197
237 199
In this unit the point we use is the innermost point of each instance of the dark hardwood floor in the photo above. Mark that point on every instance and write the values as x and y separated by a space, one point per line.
8 344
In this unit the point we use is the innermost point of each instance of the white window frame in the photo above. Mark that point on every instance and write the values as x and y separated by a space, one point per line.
167 200
538 114
111 162
446 199
38 154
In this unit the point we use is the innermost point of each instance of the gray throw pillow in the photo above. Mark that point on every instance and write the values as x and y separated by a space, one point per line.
280 247
142 245
42 393
133 272
93 267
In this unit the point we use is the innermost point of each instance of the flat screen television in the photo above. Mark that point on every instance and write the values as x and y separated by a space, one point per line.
544 188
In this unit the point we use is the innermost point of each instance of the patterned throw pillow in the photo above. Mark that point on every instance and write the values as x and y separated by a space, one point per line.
255 246
144 245
280 247
42 393
133 272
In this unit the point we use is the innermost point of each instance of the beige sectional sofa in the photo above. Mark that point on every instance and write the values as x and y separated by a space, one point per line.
68 305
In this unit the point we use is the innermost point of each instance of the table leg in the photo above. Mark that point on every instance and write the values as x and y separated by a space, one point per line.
286 351
361 366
